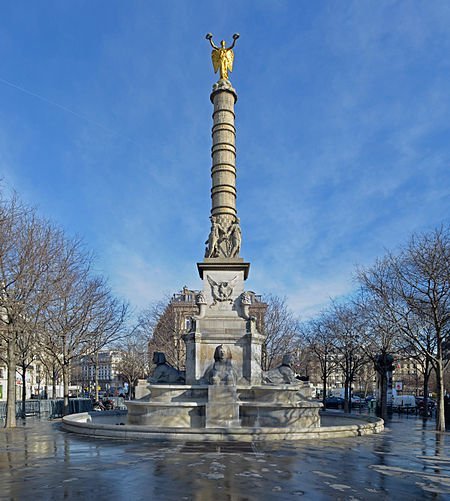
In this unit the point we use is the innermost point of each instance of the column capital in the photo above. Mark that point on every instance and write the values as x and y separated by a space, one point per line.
223 86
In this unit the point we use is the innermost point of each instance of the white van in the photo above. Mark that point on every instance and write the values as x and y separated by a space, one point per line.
404 403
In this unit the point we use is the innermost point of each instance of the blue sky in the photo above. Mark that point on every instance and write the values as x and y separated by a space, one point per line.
343 133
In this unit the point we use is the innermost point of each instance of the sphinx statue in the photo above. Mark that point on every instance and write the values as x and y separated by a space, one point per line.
283 374
222 371
164 373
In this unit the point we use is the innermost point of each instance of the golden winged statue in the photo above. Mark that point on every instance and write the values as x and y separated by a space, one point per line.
222 57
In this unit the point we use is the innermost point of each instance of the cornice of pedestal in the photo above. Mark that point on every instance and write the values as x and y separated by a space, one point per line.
223 86
224 264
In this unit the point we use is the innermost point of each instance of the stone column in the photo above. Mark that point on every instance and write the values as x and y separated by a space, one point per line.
224 240
222 319
223 153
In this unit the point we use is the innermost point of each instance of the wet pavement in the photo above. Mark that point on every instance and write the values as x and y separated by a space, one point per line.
408 461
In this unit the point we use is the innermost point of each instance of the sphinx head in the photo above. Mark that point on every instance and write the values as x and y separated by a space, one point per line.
159 358
288 359
222 353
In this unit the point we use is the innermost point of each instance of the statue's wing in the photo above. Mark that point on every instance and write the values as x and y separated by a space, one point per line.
230 58
211 282
233 282
215 56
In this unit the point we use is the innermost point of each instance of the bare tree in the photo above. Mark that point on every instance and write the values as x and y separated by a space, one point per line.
162 325
26 353
28 250
52 371
381 341
319 338
83 318
134 361
110 327
415 285
345 322
281 330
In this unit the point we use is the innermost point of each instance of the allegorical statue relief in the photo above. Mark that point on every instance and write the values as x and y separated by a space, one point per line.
222 291
234 239
215 236
222 241
222 57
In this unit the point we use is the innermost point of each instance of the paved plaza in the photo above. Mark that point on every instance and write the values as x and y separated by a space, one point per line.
408 461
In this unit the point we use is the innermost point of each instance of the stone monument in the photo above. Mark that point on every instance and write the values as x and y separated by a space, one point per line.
223 306
224 388
223 395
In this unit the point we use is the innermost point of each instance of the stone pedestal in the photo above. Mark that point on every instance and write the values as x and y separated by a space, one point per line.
141 390
223 322
222 409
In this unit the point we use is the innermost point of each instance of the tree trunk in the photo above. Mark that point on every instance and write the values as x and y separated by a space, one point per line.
96 375
65 374
132 388
24 390
10 421
54 380
440 415
324 389
347 403
426 378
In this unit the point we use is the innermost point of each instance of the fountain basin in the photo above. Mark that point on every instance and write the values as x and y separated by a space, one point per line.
170 414
176 405
112 424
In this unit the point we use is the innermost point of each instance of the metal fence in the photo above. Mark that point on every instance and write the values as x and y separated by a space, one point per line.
48 408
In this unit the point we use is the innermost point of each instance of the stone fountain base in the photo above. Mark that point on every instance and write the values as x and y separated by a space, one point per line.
205 413
210 406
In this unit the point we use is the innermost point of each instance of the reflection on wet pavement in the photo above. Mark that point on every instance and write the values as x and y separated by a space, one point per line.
409 460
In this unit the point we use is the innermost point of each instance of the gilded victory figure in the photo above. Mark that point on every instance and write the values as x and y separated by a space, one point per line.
222 57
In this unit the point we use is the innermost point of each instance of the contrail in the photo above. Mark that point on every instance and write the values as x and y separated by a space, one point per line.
68 110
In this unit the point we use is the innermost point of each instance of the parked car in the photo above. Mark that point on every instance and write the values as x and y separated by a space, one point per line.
334 403
357 401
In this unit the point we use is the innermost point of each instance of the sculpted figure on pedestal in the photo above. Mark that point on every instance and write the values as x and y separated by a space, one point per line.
222 57
163 372
283 374
222 371
215 235
234 239
223 241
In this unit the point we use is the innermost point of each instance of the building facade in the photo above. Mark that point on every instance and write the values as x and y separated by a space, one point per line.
101 368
